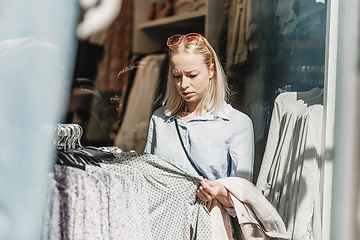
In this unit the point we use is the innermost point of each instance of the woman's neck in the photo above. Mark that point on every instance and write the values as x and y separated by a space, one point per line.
191 111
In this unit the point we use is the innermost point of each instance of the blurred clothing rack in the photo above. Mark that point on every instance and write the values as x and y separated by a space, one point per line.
310 74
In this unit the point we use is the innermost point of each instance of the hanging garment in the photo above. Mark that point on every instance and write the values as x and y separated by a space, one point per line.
242 24
277 171
132 134
235 28
278 127
118 50
292 13
290 174
135 65
300 204
136 196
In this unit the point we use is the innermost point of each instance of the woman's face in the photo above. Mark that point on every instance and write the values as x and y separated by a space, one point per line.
191 76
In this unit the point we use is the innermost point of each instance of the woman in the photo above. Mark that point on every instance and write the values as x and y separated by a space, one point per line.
195 128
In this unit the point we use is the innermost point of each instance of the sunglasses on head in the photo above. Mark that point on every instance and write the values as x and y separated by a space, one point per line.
190 38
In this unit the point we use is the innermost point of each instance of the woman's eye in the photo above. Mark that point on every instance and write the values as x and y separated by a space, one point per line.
193 76
176 76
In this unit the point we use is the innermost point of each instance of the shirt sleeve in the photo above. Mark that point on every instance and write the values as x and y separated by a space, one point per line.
241 150
149 148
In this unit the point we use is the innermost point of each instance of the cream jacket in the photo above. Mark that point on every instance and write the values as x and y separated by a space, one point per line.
258 219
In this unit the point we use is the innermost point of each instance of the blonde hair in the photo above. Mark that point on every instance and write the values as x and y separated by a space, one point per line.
217 91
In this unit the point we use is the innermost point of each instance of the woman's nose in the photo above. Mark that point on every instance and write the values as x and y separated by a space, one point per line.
185 82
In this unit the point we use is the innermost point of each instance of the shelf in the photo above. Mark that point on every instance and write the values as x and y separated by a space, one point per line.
150 36
173 19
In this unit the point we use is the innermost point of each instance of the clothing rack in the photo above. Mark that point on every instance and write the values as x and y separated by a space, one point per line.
310 74
71 152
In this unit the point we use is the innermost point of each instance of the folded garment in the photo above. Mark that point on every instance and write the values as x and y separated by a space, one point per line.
184 6
199 4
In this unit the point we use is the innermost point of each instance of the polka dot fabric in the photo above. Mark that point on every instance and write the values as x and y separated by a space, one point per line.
135 196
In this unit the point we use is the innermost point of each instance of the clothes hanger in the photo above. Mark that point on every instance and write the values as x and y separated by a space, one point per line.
70 150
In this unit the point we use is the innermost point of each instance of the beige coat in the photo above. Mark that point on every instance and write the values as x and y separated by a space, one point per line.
258 219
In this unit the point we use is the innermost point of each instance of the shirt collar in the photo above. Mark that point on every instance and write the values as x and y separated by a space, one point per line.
209 116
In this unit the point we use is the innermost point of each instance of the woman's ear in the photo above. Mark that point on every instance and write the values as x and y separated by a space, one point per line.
212 70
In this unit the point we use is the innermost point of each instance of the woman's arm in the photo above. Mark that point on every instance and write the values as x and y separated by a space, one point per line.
241 150
209 190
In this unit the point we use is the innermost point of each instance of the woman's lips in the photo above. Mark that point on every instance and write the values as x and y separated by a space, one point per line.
187 94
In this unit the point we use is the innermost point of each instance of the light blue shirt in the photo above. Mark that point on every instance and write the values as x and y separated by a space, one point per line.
220 146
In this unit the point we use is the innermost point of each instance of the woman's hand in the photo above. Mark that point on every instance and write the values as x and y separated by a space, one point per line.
209 190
